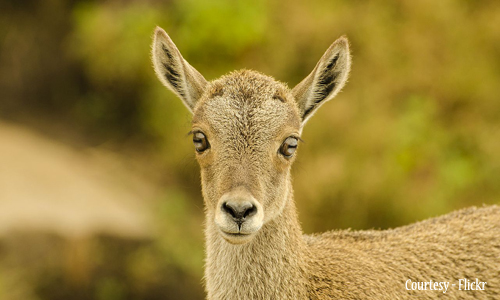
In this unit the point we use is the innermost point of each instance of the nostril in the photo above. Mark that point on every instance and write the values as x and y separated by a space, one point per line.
239 211
252 210
228 209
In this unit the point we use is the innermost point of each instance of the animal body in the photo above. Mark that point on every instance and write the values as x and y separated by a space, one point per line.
246 128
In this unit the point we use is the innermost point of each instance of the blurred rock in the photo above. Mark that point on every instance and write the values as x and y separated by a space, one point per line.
49 187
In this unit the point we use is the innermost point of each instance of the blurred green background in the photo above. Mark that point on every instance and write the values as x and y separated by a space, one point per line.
99 189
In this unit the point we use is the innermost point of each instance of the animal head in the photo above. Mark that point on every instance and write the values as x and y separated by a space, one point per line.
246 128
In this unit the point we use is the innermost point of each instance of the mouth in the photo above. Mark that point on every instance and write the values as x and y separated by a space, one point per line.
236 234
236 238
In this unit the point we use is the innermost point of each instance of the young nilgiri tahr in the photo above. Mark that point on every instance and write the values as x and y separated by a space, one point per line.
246 128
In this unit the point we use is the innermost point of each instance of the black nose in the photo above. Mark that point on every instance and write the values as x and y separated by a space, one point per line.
239 210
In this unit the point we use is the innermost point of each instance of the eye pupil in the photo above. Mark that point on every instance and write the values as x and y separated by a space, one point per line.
288 147
200 142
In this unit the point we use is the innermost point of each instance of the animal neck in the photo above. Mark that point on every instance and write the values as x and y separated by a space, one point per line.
271 266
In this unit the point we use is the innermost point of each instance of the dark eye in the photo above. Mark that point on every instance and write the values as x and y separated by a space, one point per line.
200 142
289 146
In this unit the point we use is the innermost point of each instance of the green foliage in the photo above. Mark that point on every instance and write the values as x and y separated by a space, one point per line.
113 40
180 232
222 28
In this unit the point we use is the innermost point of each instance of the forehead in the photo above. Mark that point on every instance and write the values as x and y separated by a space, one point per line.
247 104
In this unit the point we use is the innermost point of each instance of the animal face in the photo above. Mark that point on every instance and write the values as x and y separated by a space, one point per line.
246 127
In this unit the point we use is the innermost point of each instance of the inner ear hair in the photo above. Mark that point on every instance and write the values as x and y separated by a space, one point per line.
326 82
326 79
174 71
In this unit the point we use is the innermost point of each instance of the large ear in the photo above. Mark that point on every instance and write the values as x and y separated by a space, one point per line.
325 80
174 71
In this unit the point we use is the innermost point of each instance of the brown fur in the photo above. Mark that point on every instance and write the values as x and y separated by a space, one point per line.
246 116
